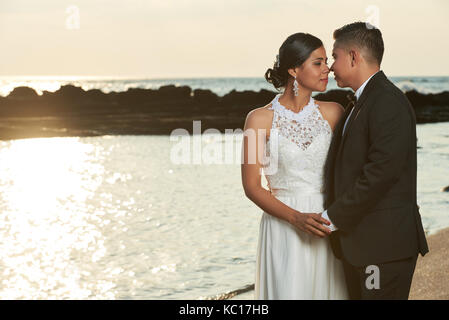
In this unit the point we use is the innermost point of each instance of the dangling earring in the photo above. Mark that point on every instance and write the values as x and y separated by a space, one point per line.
295 87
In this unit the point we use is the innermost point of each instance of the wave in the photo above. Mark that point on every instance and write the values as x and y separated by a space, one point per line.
220 86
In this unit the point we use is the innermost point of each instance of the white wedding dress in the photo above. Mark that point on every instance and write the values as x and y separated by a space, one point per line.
292 264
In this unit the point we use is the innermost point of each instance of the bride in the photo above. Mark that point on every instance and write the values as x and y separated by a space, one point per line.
288 141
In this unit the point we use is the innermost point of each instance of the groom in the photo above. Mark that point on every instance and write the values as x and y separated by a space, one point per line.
370 173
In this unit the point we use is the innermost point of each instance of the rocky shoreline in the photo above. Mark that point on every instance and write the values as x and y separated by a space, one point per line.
72 111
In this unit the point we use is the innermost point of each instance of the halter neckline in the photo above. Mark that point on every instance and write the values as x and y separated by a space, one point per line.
283 110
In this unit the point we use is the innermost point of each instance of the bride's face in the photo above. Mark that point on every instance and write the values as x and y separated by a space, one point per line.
313 73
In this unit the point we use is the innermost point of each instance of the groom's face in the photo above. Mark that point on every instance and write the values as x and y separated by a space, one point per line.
341 67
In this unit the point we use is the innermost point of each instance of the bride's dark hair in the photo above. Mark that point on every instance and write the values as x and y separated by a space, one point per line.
292 53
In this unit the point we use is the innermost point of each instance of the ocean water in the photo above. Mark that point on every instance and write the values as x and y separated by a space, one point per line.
220 86
117 217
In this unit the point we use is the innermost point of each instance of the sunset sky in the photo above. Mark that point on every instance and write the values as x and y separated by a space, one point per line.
205 38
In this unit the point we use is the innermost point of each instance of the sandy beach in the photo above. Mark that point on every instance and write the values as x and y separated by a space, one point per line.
431 278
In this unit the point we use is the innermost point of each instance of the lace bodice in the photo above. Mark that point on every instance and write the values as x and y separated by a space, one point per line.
297 148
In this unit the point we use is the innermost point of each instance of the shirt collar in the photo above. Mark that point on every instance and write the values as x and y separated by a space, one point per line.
359 91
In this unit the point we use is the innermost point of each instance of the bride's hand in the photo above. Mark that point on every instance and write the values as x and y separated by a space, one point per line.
312 223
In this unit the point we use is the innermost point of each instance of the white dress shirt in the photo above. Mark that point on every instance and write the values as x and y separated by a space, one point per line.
357 95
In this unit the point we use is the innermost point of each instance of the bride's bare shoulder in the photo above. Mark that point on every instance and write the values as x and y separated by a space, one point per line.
330 107
260 117
331 111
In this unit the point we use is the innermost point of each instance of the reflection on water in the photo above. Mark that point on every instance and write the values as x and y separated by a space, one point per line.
46 225
113 218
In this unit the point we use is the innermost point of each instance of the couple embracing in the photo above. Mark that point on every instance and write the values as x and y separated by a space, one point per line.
340 219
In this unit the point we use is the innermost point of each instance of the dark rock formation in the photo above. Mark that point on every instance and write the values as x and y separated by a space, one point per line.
340 96
22 93
430 107
73 111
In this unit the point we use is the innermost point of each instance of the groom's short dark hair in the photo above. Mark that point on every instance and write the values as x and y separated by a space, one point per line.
364 36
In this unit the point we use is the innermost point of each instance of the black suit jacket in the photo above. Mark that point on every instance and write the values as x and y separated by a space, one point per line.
370 179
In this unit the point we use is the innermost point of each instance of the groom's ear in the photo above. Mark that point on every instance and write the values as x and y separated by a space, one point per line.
352 54
355 57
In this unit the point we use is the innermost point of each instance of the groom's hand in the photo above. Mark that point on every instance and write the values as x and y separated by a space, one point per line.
312 223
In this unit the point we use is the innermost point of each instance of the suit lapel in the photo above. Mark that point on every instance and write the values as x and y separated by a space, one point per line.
358 105
335 143
354 115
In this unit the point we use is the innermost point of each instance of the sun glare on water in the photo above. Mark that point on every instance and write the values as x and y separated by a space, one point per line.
47 226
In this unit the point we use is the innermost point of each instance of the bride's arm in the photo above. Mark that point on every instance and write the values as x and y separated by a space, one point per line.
257 124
